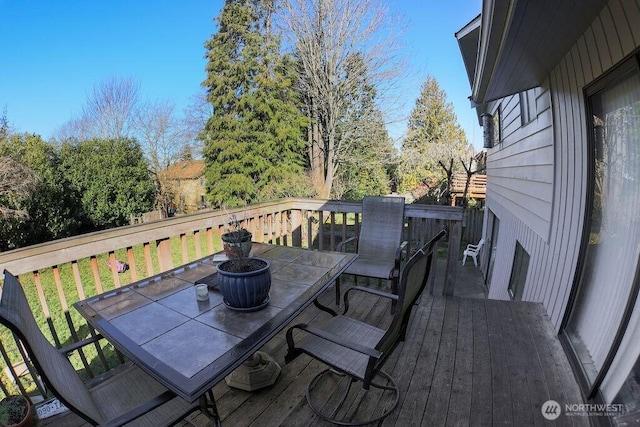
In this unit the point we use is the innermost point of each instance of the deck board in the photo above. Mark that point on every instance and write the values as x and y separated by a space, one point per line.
462 386
518 383
440 390
500 384
464 362
482 396
536 386
415 392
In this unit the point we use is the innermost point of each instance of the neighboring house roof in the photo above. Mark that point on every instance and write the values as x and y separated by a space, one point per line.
514 44
186 169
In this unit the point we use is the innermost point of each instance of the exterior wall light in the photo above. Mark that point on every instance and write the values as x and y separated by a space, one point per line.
487 128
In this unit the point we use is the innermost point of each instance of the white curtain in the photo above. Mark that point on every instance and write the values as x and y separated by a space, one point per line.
614 239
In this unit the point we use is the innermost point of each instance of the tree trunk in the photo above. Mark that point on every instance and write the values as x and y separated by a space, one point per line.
317 159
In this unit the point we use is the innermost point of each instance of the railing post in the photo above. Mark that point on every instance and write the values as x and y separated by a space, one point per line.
114 269
210 249
455 234
184 248
320 230
309 236
164 254
148 264
196 240
131 259
296 228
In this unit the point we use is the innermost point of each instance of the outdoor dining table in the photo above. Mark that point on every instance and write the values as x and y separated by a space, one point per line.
190 345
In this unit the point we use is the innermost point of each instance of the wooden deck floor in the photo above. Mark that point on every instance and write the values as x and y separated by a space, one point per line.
465 362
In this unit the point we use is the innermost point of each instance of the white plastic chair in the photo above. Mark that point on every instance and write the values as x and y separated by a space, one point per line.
472 251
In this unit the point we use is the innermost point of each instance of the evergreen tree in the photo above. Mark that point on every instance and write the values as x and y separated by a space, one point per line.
433 136
365 150
254 138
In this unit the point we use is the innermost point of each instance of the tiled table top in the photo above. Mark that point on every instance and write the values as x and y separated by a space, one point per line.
190 345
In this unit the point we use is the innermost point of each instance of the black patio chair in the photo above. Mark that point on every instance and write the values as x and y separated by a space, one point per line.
127 396
379 245
357 349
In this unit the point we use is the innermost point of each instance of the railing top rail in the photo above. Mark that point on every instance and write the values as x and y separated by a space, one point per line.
32 258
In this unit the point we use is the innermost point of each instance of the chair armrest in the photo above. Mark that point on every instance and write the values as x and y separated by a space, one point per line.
77 345
340 247
369 291
472 247
402 248
138 411
371 352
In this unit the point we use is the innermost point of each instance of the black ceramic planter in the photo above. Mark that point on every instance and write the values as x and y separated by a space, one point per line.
245 290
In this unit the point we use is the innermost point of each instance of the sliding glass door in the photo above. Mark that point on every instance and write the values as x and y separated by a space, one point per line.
611 253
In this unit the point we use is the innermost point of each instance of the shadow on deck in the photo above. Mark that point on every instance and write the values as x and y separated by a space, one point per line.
466 361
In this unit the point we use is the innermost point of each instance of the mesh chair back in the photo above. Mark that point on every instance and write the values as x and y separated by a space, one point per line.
382 226
54 367
413 280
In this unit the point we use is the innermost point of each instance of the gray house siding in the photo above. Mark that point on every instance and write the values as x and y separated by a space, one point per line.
520 177
521 172
537 173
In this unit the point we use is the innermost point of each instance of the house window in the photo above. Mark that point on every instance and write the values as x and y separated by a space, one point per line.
492 244
518 272
497 125
609 257
528 110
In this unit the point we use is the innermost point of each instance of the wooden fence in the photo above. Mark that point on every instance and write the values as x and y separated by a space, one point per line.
473 221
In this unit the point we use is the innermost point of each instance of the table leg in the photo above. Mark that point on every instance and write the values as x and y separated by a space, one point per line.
209 408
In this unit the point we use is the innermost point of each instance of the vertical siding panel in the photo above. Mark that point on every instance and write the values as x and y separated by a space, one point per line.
632 12
560 128
576 161
619 17
565 177
537 267
592 52
584 60
611 35
567 195
601 42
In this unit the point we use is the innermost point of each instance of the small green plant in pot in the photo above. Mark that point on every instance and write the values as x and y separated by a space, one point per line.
236 241
15 411
244 281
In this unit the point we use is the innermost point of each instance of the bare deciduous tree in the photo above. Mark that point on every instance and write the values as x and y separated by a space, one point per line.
108 112
110 107
327 36
158 130
196 115
162 137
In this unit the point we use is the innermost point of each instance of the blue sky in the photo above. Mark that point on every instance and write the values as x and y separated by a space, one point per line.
53 53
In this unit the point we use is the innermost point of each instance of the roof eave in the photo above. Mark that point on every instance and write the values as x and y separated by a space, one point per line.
521 41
